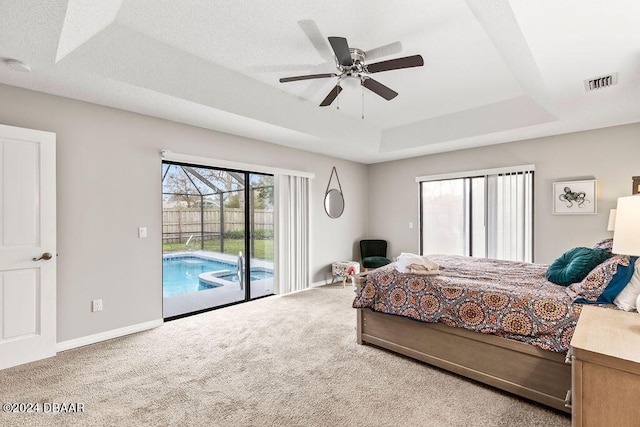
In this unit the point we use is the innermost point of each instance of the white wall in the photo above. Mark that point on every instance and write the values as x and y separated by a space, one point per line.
109 184
611 155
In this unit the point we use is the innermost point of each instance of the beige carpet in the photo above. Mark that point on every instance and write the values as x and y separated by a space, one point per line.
278 361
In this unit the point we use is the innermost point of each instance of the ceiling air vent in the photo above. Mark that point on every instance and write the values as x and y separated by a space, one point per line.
600 82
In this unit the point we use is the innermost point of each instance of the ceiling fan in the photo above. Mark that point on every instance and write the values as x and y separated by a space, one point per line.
350 62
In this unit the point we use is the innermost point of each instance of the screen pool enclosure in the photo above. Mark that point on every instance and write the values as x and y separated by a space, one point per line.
214 220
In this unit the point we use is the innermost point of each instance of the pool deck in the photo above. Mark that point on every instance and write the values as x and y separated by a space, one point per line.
229 293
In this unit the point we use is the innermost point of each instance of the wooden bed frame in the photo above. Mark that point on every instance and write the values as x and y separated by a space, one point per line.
513 366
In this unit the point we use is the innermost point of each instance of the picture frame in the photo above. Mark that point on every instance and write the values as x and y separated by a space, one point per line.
575 197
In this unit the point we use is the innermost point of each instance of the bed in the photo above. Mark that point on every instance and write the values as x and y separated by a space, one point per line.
498 322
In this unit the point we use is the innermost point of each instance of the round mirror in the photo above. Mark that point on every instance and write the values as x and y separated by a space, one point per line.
334 203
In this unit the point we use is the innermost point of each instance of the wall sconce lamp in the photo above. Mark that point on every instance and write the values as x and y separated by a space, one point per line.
612 220
636 185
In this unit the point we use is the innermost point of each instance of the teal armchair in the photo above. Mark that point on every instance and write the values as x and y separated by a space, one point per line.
374 253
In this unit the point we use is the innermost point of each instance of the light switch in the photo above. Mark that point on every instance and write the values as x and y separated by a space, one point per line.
142 232
410 225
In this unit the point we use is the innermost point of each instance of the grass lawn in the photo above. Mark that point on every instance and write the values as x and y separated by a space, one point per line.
263 249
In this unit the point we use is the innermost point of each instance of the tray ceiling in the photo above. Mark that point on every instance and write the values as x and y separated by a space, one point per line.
495 71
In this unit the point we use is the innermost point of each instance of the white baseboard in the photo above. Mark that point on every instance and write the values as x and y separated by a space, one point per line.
337 282
317 284
311 286
103 336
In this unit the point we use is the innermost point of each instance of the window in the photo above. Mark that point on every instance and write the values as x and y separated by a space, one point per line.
482 214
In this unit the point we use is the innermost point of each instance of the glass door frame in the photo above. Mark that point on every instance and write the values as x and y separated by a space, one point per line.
249 231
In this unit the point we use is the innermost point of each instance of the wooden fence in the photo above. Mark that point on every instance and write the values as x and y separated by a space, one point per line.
180 223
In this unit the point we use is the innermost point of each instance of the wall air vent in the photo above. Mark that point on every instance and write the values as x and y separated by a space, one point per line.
600 82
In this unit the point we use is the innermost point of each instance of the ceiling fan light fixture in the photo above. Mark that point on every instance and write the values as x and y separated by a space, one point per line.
350 62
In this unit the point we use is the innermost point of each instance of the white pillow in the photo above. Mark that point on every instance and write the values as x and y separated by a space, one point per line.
626 299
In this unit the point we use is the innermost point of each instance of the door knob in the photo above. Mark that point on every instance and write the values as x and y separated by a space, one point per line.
45 256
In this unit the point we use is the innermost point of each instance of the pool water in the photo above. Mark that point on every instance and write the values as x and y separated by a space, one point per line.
255 275
180 274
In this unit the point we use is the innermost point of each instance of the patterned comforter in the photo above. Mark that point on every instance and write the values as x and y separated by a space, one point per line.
504 298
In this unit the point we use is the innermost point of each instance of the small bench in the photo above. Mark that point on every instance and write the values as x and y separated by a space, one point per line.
344 269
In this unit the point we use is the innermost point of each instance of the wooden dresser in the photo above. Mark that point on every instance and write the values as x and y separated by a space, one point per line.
606 368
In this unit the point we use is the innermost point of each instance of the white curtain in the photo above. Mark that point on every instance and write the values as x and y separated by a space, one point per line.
292 234
510 216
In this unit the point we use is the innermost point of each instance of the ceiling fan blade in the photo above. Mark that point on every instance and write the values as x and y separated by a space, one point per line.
386 50
341 49
307 77
315 36
332 96
380 89
395 64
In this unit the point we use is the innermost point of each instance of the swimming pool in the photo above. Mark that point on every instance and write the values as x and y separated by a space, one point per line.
255 275
180 274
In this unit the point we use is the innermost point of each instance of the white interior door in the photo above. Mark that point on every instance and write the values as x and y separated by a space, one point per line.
27 245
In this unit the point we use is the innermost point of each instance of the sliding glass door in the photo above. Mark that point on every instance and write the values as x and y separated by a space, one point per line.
482 216
218 244
443 217
261 235
453 217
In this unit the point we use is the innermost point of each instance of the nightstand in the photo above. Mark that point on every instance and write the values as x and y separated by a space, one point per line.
606 368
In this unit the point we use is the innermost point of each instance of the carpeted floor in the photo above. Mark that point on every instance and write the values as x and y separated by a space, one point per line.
278 361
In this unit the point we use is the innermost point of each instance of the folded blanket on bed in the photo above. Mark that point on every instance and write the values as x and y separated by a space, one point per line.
416 264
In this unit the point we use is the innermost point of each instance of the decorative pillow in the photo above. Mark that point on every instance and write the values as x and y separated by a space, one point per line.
626 300
616 285
574 265
592 286
606 244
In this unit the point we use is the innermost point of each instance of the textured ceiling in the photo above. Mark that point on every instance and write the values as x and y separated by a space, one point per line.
495 70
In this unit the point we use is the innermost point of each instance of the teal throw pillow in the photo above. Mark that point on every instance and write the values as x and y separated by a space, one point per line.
575 264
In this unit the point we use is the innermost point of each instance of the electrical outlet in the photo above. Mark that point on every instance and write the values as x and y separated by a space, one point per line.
96 305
